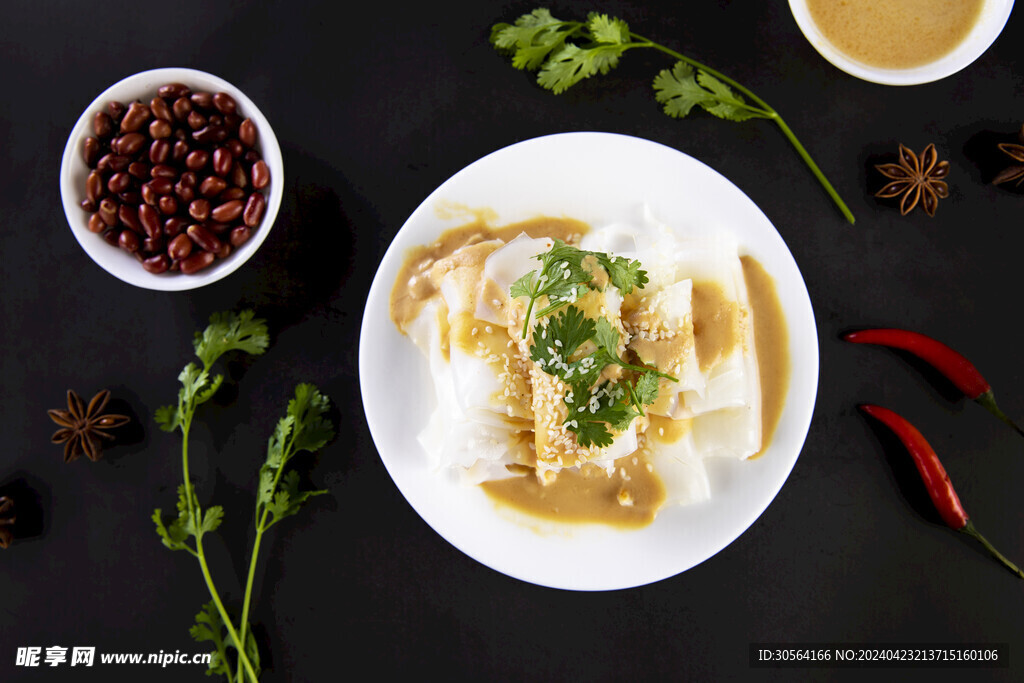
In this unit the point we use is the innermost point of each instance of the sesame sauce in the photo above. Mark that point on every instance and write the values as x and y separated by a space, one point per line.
630 494
895 34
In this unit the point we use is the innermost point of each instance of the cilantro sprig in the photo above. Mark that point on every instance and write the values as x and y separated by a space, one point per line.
303 428
563 53
564 277
594 408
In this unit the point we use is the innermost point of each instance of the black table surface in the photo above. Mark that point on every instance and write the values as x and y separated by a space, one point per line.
375 105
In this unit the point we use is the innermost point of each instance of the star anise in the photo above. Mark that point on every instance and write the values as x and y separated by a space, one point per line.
1015 152
83 426
916 179
7 519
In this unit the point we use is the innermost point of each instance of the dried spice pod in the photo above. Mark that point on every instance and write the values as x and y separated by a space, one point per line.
1015 173
82 427
7 520
915 180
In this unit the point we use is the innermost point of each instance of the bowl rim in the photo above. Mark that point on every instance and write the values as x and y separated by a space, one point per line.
73 170
994 15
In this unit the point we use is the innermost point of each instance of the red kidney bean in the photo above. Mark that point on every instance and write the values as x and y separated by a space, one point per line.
160 151
196 262
254 208
119 182
140 170
180 151
148 194
232 193
238 177
164 171
204 238
228 211
131 197
128 241
153 244
186 193
167 204
87 205
236 148
90 151
158 106
182 107
111 236
212 186
222 161
179 247
157 264
96 223
224 103
189 179
135 118
108 211
94 187
240 235
260 175
129 217
196 120
128 144
247 132
112 162
199 209
102 125
149 218
116 110
160 185
174 90
210 134
159 129
175 225
203 100
197 159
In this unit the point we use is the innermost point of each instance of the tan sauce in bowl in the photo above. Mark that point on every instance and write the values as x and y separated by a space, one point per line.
895 34
632 496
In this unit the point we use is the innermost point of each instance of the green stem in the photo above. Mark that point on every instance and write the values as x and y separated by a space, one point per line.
765 111
973 533
261 527
193 515
988 401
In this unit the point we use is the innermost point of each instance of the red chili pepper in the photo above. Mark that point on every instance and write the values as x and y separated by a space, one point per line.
953 366
936 481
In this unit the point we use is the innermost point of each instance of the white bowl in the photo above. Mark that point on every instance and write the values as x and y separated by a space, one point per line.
74 171
990 24
599 178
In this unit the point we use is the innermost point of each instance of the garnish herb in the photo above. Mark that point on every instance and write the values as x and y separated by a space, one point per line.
565 275
303 428
566 52
592 406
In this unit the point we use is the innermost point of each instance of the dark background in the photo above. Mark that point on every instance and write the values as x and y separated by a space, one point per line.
375 105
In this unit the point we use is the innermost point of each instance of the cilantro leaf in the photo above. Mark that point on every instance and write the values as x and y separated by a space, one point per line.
564 277
303 428
231 332
533 37
566 52
209 627
593 420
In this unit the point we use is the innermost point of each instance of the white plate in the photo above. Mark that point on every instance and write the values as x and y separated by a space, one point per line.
597 178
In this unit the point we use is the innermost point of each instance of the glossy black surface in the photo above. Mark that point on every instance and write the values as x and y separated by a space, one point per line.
375 105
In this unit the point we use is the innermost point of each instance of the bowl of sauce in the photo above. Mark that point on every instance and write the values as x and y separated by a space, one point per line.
901 42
